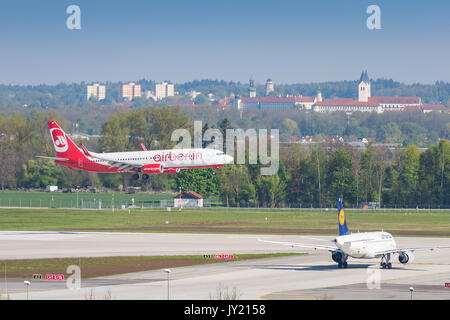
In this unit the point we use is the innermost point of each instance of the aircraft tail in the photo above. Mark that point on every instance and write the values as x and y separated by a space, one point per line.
343 229
64 146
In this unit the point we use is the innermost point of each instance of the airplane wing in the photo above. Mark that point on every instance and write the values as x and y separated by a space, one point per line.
53 158
400 250
121 165
303 245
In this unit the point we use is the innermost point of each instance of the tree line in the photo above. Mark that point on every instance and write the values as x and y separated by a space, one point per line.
308 176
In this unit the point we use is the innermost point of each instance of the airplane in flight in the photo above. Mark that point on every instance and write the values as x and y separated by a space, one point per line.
143 162
364 245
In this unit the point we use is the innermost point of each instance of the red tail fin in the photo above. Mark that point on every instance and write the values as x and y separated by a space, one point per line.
64 147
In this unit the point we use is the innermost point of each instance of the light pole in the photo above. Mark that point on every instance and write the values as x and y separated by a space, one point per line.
168 271
27 283
411 289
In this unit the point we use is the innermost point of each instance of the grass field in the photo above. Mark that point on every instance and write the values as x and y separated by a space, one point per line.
35 199
275 221
105 266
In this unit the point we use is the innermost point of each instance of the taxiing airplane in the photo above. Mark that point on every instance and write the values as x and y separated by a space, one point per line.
143 162
364 245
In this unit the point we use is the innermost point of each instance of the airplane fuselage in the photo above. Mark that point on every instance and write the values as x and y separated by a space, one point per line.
365 244
169 160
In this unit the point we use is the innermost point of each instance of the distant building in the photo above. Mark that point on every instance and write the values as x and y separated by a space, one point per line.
187 199
164 90
252 89
433 107
275 103
150 95
193 94
365 102
269 86
319 96
364 87
131 91
96 92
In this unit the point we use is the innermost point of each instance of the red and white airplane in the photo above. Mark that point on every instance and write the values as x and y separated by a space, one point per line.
143 162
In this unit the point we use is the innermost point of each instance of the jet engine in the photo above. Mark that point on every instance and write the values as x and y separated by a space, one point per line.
152 168
406 257
336 256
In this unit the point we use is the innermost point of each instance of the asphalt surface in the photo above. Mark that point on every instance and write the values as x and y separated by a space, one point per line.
311 276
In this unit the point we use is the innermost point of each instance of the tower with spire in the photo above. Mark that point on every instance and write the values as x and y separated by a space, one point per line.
364 87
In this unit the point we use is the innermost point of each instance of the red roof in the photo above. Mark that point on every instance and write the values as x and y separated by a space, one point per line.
272 99
396 100
346 102
188 195
434 107
412 108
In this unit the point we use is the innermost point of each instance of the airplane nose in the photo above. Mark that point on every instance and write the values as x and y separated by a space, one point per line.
228 159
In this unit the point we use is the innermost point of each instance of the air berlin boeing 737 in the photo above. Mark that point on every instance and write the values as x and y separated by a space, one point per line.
145 162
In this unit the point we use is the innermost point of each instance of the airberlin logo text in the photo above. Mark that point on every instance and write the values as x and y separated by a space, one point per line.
59 140
172 156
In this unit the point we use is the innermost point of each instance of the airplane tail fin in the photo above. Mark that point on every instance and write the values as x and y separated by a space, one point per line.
64 146
343 229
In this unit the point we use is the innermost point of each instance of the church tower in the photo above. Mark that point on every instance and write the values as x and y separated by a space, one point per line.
364 87
252 89
319 95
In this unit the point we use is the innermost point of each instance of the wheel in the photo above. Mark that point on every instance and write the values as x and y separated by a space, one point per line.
145 176
383 265
135 176
345 264
389 265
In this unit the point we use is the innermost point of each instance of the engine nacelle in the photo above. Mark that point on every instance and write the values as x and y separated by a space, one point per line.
152 168
406 257
336 256
171 170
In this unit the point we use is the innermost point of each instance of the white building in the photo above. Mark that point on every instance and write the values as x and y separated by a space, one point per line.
131 91
365 102
188 199
164 90
269 86
96 91
364 87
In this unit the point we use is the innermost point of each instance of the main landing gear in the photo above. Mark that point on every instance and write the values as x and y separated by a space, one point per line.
385 261
340 258
343 264
136 176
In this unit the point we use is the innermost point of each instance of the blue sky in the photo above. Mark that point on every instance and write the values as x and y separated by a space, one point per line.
288 41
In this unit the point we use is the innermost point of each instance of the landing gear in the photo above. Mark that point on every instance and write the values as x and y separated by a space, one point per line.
343 262
385 261
135 176
341 258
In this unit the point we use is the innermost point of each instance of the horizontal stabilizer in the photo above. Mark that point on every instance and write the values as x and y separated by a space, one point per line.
85 150
53 158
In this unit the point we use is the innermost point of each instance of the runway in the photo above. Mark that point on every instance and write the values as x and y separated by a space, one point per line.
311 276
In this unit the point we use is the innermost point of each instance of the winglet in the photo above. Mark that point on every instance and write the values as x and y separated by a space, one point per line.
85 150
143 147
